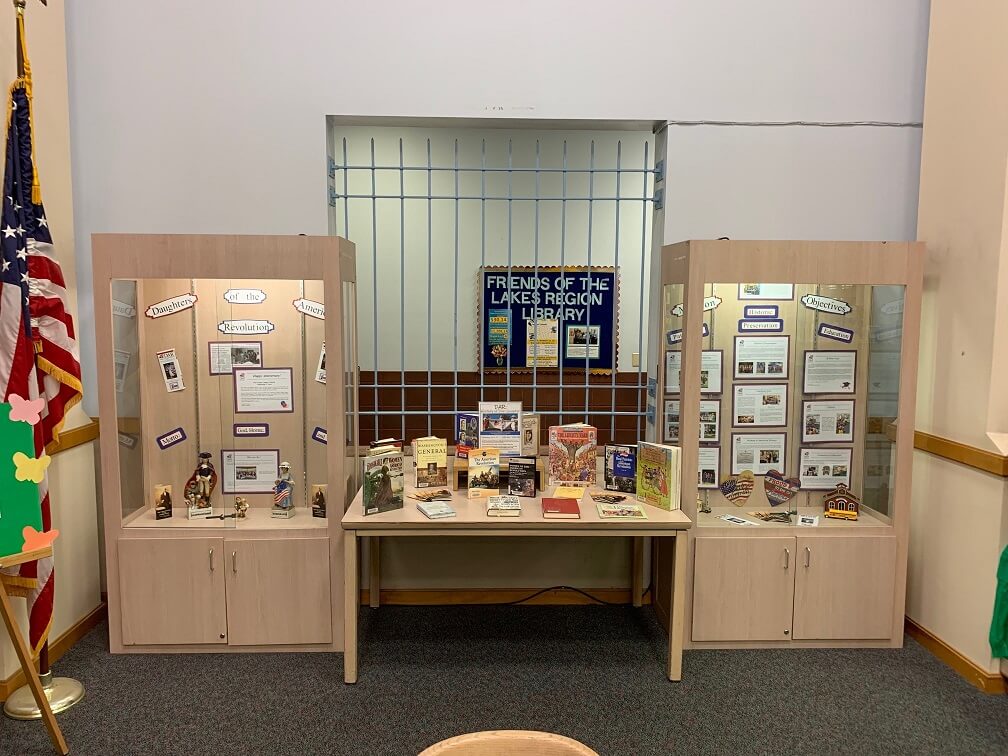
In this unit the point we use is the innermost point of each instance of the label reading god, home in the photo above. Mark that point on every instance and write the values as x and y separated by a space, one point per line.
825 304
245 326
171 438
320 435
310 307
251 429
244 296
836 333
765 325
171 306
674 337
709 303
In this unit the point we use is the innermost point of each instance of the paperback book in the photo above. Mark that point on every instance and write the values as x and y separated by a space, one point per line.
554 508
430 455
620 469
621 511
521 477
503 506
484 473
432 494
572 450
383 480
530 434
500 427
658 467
466 433
436 510
569 492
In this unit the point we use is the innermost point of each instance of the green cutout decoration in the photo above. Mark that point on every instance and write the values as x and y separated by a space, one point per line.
19 499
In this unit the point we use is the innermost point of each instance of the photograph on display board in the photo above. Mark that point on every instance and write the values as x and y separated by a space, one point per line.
710 467
828 422
823 469
762 405
830 372
758 452
710 420
761 357
227 355
766 291
711 361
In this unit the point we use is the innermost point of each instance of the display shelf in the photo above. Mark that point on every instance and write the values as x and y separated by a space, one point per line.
257 518
867 519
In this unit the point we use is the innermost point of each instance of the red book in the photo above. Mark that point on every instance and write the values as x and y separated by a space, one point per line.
560 509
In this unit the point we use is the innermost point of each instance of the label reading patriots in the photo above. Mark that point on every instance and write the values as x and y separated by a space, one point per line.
674 337
310 307
171 306
245 326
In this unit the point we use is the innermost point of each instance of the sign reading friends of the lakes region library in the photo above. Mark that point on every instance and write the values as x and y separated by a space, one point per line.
549 317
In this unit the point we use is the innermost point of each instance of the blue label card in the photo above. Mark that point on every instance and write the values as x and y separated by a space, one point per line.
624 464
765 325
244 430
320 434
171 438
756 312
836 333
674 337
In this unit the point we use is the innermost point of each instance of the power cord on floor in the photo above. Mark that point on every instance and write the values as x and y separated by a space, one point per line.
569 588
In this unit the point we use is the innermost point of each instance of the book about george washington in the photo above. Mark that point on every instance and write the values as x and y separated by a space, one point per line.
383 479
484 473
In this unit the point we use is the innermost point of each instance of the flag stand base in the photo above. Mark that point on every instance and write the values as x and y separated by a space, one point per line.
62 692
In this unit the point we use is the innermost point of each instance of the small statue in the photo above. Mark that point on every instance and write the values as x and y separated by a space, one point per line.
203 480
283 488
319 499
241 506
164 501
191 494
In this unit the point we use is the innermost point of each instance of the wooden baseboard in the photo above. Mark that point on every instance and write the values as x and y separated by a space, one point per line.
988 682
59 646
416 597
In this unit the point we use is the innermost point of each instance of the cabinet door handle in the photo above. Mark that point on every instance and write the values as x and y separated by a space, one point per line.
787 558
211 560
808 556
234 562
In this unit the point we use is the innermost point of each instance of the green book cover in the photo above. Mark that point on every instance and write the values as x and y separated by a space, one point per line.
19 504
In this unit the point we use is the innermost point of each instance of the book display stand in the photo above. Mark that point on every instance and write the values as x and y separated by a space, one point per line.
781 369
232 462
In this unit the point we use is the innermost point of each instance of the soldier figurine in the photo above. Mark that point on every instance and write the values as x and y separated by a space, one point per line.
205 475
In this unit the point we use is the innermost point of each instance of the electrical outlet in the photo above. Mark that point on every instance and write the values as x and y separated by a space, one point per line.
635 359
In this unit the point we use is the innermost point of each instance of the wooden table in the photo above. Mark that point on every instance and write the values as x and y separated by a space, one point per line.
471 520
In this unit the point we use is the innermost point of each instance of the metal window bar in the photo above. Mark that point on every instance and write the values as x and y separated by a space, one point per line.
646 172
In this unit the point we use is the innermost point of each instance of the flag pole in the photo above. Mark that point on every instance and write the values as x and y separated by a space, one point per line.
61 692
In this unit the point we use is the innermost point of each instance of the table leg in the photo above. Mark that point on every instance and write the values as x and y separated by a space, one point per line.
637 570
677 607
28 666
351 598
374 572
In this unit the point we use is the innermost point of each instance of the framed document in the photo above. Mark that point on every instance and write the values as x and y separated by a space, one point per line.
762 357
822 469
249 470
759 452
710 467
264 389
765 291
830 372
824 422
227 355
711 361
762 405
710 420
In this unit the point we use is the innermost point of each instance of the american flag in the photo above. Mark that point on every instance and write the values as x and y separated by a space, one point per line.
38 349
282 492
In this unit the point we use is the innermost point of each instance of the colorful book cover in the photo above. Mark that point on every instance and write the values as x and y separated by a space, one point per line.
383 481
484 473
572 450
466 433
521 477
620 511
569 492
658 475
530 434
503 506
620 469
430 455
501 428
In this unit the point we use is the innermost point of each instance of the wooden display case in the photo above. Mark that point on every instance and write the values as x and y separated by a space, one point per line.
225 584
749 314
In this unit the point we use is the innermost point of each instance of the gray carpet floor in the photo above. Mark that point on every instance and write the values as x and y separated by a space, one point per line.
592 673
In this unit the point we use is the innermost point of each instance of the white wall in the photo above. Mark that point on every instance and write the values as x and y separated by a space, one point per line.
210 117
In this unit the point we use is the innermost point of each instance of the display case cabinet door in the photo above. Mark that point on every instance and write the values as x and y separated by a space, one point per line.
743 589
171 591
844 588
278 591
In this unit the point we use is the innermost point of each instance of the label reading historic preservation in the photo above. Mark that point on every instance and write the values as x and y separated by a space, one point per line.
171 306
310 308
826 304
244 296
750 312
245 326
765 325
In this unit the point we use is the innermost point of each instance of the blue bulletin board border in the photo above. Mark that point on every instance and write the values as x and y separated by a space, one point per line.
574 295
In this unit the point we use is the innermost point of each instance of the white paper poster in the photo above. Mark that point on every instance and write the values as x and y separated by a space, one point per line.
828 421
710 467
320 372
226 355
710 371
710 420
500 427
542 343
582 341
264 389
765 291
830 372
760 453
171 371
122 361
763 405
761 356
671 420
249 471
822 469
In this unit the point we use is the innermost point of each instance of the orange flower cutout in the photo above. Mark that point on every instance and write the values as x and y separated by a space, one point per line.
34 540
